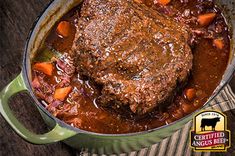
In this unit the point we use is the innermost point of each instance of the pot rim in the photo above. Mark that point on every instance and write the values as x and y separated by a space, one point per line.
26 63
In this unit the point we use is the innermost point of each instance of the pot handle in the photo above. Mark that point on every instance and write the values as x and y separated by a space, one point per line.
58 133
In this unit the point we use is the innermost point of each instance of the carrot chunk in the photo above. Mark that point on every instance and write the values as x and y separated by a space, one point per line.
138 1
206 19
63 28
190 94
45 67
162 2
62 93
218 43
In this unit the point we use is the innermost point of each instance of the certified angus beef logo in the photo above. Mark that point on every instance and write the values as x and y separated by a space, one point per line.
210 132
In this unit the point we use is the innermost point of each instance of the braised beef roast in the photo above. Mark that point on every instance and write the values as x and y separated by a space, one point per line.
138 56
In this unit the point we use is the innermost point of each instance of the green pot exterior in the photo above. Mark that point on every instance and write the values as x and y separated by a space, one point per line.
58 133
74 137
104 144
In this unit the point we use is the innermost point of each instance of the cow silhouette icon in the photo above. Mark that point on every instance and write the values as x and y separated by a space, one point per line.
209 122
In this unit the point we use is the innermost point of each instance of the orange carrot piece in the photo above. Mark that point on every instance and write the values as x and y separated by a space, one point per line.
163 2
63 28
139 1
45 67
219 43
206 19
62 93
190 94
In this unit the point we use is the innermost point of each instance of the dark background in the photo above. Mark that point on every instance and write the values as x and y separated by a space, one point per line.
16 19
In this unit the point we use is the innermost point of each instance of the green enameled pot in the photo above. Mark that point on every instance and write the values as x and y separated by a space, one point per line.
77 138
